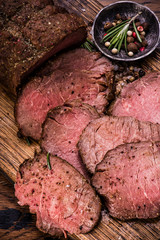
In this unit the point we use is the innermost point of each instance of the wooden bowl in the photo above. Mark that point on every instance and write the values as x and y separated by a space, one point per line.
128 9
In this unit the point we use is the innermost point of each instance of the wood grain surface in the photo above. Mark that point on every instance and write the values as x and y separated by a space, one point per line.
16 222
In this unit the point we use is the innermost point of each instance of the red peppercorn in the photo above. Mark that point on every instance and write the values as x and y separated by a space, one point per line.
140 28
134 35
142 49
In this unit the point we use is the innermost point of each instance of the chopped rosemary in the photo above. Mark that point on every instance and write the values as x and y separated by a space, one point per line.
48 161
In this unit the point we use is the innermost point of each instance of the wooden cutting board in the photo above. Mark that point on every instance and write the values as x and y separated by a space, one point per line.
13 150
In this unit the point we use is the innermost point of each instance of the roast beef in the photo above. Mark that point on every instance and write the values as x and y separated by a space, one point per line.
129 178
31 32
140 99
108 132
76 74
61 198
62 129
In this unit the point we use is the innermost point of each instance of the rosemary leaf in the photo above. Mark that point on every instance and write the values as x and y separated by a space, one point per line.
125 40
48 161
137 33
28 141
121 40
119 25
87 45
112 33
91 43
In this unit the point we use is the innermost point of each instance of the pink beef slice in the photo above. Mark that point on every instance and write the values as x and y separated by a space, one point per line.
62 129
129 180
32 32
77 74
105 133
61 197
140 99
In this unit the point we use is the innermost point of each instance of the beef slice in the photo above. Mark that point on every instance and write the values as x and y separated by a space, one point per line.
105 133
129 178
62 129
76 74
60 196
140 99
32 32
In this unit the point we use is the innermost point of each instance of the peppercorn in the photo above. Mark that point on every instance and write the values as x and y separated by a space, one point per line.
114 50
123 18
118 16
132 47
142 49
141 73
138 24
134 35
142 37
119 21
130 53
145 26
131 78
107 44
130 39
144 43
143 33
138 44
108 25
140 28
129 33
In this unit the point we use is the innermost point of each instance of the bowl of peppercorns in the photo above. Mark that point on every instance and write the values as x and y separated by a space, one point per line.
126 31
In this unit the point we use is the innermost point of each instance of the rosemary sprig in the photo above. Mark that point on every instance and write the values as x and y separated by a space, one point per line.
118 34
115 30
48 161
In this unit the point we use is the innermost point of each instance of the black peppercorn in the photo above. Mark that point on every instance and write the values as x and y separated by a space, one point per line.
141 73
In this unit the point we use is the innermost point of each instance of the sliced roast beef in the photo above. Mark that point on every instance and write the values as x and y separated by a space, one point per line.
76 74
108 132
33 31
129 178
140 99
60 196
62 129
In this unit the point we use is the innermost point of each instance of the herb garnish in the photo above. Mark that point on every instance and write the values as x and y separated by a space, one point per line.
117 35
28 141
137 33
88 45
48 161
